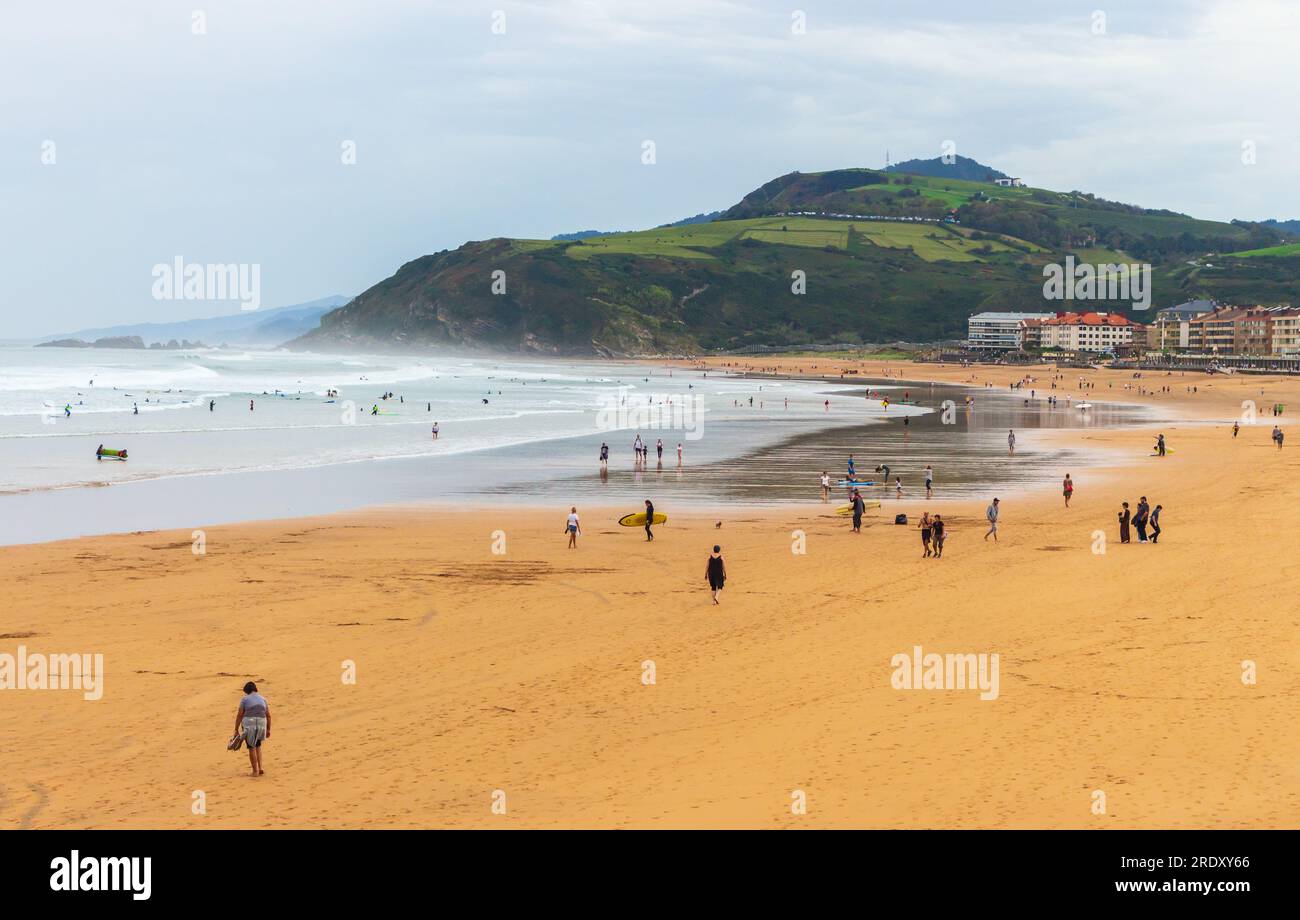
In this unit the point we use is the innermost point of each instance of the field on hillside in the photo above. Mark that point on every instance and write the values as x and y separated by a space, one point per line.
932 242
1287 249
1099 255
929 241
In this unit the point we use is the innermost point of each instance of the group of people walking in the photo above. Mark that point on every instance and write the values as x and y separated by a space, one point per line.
933 533
1141 519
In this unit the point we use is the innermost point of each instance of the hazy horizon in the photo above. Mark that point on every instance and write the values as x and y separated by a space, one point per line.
132 138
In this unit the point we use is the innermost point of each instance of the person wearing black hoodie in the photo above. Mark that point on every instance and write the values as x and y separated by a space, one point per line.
1140 519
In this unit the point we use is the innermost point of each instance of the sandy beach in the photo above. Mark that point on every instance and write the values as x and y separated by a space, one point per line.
524 673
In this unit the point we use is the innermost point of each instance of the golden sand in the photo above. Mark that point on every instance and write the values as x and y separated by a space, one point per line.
523 673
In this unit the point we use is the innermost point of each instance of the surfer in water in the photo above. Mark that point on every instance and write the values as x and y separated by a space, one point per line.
852 472
604 455
435 431
715 572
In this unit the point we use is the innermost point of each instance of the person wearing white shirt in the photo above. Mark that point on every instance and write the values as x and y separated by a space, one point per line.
572 528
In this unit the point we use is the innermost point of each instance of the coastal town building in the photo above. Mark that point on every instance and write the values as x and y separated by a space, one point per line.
1099 332
1031 333
1214 333
999 331
1284 334
1172 327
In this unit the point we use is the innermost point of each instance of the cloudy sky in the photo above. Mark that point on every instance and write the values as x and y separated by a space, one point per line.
136 132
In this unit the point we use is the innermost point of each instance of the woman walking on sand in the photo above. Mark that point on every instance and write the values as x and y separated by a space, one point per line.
1124 518
572 528
1068 488
926 529
254 717
715 572
938 535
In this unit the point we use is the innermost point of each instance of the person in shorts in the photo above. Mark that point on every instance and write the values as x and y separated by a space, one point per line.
572 528
254 719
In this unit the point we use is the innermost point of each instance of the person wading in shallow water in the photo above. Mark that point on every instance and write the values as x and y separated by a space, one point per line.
254 717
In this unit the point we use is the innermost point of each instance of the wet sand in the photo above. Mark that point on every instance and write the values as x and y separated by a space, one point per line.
523 672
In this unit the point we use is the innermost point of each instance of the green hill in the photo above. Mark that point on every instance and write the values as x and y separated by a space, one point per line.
960 168
884 255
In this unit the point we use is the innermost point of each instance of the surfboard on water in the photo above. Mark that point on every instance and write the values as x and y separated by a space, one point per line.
107 454
1083 406
637 519
850 483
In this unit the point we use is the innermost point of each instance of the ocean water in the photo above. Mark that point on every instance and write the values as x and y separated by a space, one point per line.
513 431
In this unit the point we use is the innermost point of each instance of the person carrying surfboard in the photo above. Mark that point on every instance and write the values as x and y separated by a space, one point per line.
649 519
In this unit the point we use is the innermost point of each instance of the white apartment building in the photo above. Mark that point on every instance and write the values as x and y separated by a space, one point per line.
999 331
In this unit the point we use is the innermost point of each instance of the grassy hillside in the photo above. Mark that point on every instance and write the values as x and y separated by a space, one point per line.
1286 249
885 256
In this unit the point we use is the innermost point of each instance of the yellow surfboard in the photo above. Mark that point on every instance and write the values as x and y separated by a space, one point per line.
848 509
638 519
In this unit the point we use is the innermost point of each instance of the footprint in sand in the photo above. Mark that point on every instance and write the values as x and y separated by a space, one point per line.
42 798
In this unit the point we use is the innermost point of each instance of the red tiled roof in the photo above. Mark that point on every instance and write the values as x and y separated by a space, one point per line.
1089 319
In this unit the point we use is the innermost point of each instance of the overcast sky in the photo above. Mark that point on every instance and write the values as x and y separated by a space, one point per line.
227 146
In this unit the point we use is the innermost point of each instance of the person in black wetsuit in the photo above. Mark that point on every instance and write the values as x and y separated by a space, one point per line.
715 572
649 519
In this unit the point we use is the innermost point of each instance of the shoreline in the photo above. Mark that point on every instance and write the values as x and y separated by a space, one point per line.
739 465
